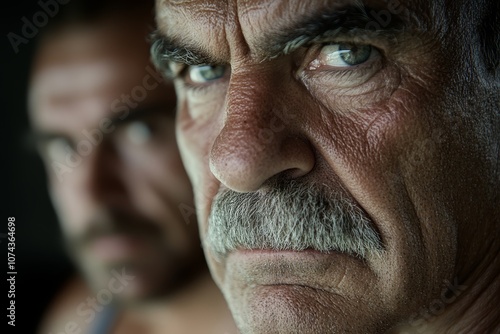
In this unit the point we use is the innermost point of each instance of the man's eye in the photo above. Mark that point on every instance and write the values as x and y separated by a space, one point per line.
55 149
138 133
346 55
204 73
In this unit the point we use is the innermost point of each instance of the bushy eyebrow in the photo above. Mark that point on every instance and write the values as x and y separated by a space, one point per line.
325 24
165 50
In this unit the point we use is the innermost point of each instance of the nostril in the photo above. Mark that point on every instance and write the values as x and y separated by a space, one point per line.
300 157
294 173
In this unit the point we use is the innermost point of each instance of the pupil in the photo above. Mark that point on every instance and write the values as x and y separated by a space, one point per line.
355 54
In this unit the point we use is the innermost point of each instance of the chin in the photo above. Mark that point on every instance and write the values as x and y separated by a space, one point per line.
291 302
127 284
301 309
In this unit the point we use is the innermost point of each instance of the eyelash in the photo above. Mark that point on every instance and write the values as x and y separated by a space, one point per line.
195 89
313 48
367 65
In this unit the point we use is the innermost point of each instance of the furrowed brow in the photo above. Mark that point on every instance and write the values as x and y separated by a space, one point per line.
327 25
165 50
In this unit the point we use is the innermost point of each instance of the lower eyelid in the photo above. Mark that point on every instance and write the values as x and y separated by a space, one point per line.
344 78
199 88
196 88
196 91
370 65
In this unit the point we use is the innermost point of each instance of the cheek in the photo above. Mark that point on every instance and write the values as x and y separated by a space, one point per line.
195 143
407 170
71 208
170 171
196 137
382 155
370 91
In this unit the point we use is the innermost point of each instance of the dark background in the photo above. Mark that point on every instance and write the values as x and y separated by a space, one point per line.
41 264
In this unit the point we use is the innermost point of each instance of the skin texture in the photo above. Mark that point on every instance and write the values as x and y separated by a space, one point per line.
412 136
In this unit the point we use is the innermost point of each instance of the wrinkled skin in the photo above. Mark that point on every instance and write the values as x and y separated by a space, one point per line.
130 188
412 135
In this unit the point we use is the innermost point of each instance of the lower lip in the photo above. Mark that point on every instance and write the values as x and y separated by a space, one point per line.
116 247
268 267
307 256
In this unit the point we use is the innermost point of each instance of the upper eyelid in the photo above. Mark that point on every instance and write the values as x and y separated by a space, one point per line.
201 87
354 37
353 19
320 47
164 53
380 49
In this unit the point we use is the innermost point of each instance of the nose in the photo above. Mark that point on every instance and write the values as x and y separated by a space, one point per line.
104 181
261 135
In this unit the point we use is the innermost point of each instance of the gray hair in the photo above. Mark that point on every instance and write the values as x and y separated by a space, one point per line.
290 216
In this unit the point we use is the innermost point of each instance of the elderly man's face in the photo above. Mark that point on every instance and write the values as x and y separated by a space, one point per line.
341 174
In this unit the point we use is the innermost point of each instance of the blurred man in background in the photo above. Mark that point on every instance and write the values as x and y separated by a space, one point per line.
104 123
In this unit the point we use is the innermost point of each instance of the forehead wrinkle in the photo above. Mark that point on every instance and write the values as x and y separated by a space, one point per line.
236 39
259 18
262 23
196 24
262 20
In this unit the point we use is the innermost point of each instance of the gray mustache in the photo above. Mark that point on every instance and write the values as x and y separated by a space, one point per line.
290 216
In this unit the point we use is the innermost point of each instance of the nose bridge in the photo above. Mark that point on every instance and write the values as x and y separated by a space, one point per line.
105 174
252 110
256 141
